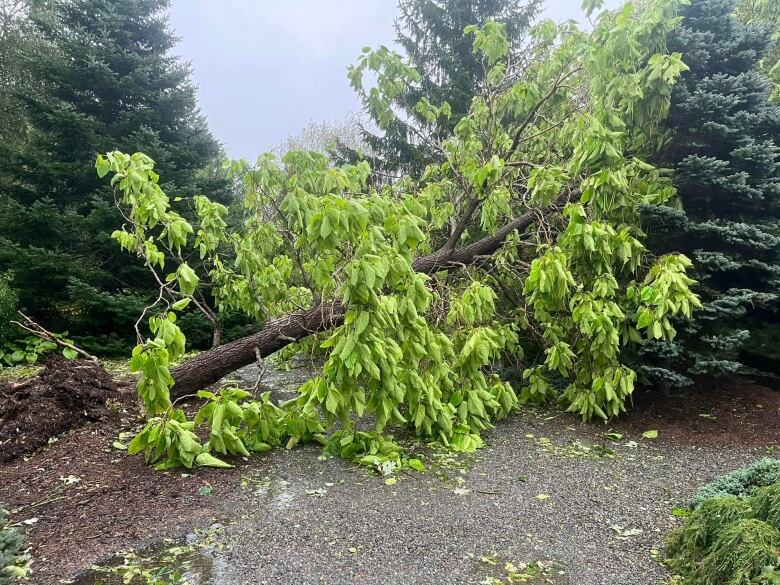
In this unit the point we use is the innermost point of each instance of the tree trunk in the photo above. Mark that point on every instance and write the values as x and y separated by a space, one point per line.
209 367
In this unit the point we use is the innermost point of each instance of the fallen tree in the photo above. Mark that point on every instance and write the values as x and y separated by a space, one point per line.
423 283
211 366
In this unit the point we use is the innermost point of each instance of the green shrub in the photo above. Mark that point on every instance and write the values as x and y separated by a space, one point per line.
766 504
743 552
9 304
13 564
731 539
689 544
742 482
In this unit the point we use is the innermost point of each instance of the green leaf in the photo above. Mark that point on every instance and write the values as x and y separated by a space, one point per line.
181 305
208 460
102 165
681 512
188 280
70 353
650 434
416 464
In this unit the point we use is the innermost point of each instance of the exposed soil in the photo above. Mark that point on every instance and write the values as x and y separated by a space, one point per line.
65 395
90 499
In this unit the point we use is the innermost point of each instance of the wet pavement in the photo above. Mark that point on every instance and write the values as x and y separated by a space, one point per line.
548 497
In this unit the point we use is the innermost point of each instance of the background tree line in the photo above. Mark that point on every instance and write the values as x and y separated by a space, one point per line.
78 77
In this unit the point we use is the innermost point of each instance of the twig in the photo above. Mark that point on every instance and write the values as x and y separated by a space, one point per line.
37 330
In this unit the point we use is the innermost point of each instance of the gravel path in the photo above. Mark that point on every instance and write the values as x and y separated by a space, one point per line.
436 527
543 489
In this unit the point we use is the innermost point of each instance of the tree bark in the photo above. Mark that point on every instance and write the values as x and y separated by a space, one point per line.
211 366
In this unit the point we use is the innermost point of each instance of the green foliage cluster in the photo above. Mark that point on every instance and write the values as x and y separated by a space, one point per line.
729 541
741 483
371 449
9 305
13 561
725 152
96 76
237 426
416 347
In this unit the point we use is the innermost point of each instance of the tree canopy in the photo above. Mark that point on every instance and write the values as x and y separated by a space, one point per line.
399 284
430 32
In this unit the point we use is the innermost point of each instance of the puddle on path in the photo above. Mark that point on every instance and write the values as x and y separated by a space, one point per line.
276 493
183 562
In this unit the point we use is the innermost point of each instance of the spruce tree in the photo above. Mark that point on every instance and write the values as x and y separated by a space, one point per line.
765 13
431 34
725 152
109 81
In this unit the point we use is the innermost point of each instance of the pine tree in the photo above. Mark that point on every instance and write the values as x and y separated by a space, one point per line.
109 81
16 38
725 152
431 34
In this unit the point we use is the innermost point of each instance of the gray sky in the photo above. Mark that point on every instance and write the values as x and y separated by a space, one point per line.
265 68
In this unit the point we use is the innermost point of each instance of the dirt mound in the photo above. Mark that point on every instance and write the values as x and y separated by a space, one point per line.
65 395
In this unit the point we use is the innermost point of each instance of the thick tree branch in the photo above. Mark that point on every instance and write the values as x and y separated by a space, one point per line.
211 366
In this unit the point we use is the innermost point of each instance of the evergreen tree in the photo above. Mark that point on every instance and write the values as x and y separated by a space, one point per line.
16 38
725 152
766 13
109 81
431 34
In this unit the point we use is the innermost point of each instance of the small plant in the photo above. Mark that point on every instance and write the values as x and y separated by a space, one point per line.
13 563
28 350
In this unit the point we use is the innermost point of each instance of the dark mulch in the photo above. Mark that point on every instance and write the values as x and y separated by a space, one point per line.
730 411
65 395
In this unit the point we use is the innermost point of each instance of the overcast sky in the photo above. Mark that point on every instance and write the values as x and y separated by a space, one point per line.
265 68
